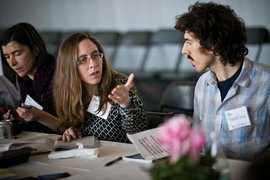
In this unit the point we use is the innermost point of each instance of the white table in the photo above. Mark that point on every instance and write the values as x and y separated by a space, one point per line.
93 167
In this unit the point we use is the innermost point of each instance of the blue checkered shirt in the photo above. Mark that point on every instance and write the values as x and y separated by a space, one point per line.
251 89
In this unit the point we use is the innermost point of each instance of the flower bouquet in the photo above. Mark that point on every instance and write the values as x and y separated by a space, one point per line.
184 144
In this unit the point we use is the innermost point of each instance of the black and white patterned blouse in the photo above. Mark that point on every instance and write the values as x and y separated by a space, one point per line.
119 122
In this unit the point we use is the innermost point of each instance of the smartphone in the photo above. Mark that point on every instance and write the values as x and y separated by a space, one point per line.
5 109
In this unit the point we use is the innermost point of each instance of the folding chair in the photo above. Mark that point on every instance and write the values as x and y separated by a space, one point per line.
109 41
52 40
256 37
156 118
65 34
178 98
164 52
132 51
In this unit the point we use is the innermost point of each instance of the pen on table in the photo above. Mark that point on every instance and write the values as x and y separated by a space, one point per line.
113 161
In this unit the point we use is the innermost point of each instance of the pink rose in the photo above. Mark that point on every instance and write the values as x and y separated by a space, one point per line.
177 135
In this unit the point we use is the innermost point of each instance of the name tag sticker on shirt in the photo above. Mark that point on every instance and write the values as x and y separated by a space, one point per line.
237 118
93 106
32 102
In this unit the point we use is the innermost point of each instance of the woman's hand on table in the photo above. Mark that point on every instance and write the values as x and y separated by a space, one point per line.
70 133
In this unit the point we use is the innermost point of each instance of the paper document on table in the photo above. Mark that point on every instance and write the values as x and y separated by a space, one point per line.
85 142
12 144
84 152
49 145
148 144
87 146
42 143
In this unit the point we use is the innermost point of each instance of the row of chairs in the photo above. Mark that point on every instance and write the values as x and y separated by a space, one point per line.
152 53
117 44
131 51
148 53
167 43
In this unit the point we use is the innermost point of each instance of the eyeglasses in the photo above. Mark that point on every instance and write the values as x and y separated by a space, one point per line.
83 60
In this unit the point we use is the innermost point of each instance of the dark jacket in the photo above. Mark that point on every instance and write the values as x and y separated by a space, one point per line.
40 89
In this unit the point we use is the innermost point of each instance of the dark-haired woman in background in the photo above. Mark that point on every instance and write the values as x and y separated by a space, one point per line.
25 52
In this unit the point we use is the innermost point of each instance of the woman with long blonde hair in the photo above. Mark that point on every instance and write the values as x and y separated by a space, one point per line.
91 98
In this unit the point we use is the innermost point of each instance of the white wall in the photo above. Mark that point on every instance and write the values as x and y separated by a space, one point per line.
120 15
116 14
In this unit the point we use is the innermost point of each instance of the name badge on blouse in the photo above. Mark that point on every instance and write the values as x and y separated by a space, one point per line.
93 106
237 118
32 102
